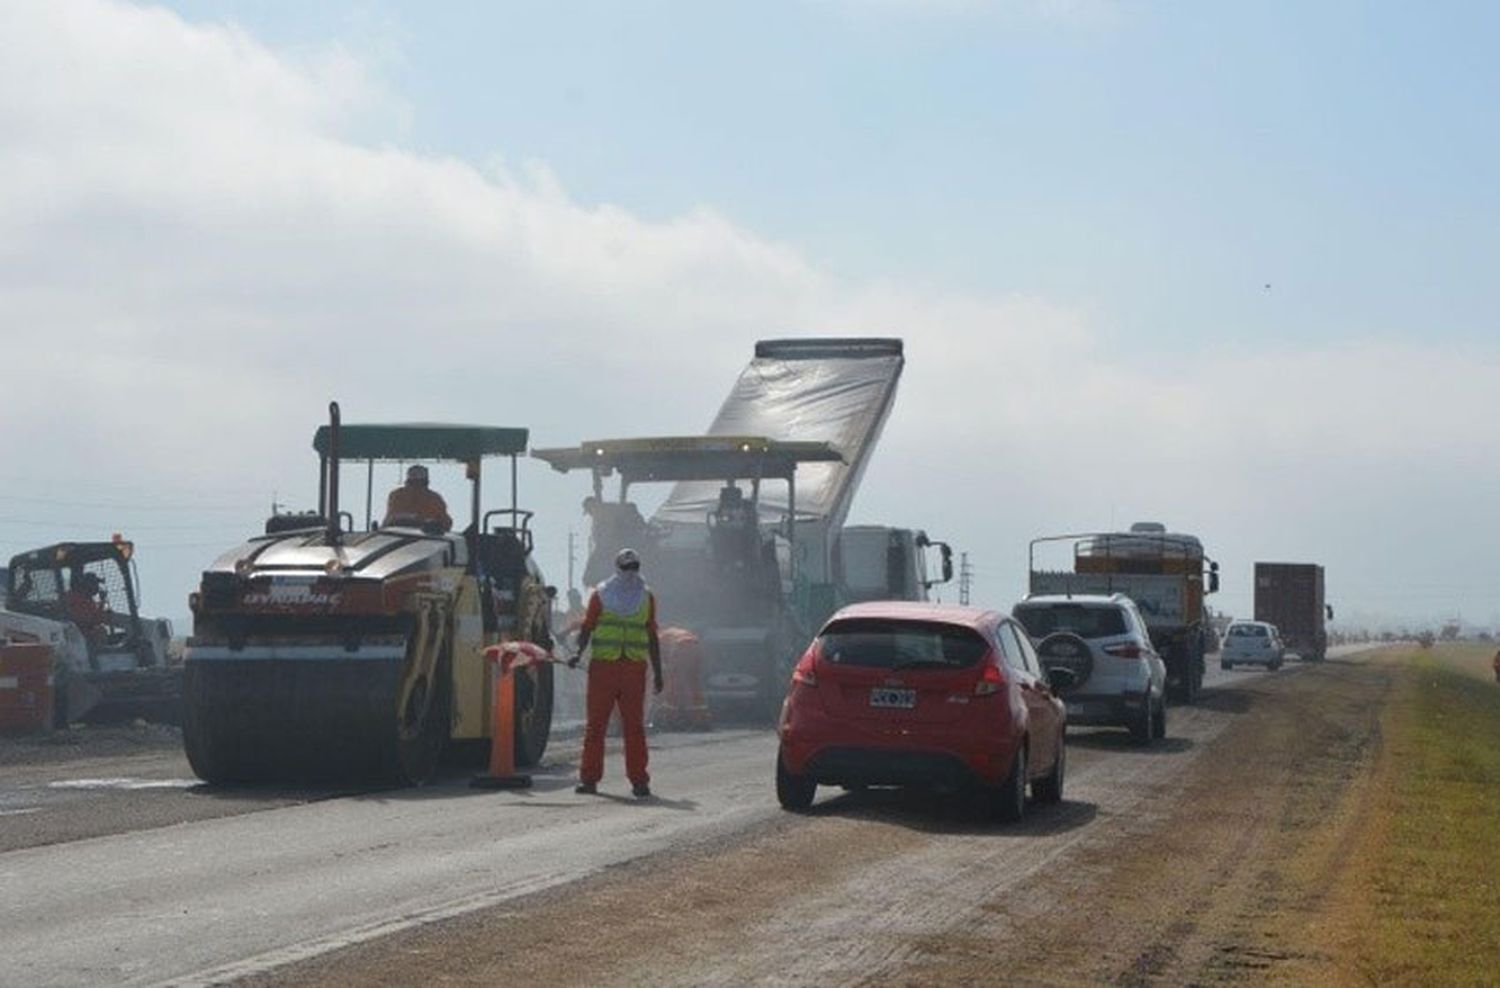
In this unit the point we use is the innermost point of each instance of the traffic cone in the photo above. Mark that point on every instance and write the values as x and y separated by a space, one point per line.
504 659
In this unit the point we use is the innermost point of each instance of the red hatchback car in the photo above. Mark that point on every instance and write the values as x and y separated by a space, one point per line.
911 694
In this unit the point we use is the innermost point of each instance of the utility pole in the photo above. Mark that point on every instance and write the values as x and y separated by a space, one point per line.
572 540
965 578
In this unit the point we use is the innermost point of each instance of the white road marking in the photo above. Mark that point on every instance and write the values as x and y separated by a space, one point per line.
124 783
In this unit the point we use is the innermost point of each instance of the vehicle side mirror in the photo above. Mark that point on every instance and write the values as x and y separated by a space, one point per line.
1061 678
947 552
1213 577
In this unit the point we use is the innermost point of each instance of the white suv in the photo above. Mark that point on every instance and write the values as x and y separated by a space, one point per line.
1103 641
1248 643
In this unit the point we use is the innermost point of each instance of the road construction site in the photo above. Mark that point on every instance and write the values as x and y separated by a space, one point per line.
162 880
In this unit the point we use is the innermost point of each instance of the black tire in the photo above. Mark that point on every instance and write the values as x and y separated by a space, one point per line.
1007 802
1159 720
793 792
534 695
1063 649
1274 666
1142 725
1049 790
423 729
1226 666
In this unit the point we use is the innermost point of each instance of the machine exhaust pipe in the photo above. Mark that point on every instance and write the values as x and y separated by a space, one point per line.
331 512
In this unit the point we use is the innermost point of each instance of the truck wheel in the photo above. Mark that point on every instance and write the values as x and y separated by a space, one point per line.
1226 666
1008 802
793 792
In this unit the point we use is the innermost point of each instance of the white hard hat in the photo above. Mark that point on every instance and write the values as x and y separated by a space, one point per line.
627 559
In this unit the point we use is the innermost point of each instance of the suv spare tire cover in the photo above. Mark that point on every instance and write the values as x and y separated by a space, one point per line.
1065 649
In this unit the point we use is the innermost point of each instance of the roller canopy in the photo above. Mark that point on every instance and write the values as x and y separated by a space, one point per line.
423 441
715 458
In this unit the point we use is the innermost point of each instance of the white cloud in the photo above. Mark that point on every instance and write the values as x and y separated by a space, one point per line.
203 240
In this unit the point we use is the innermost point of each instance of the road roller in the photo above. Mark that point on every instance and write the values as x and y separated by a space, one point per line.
326 653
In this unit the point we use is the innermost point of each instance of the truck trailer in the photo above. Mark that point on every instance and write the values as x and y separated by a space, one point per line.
1290 596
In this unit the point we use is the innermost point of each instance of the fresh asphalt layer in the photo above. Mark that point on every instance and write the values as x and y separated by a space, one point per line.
168 896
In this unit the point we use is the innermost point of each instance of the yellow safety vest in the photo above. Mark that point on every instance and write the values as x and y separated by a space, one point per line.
623 636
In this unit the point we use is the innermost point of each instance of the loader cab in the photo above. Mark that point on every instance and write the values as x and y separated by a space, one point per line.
92 586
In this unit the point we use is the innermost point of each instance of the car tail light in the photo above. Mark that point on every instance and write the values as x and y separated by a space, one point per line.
804 673
990 680
1124 650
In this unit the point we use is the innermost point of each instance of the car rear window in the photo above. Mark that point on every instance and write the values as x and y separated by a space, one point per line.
885 643
1084 620
1247 631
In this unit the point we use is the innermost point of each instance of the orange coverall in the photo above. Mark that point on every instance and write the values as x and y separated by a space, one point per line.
415 501
615 681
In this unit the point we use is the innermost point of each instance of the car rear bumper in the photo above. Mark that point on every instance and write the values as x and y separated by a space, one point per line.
943 756
1096 709
1251 659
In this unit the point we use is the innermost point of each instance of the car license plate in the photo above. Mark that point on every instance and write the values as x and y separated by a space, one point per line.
896 699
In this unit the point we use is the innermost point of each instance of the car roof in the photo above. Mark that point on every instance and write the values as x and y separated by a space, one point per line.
907 610
1076 598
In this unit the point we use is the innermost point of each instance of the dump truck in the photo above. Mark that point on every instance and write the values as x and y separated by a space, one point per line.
82 600
878 562
1165 573
1290 596
322 652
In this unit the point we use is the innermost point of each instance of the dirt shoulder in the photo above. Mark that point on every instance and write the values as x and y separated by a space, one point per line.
1223 871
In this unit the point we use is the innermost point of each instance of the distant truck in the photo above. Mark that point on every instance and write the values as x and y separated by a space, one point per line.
1290 596
1165 573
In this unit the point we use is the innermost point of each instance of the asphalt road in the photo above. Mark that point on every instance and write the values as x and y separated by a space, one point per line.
165 882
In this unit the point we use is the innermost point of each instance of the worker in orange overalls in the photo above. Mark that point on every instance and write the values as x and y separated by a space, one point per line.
414 503
620 626
681 706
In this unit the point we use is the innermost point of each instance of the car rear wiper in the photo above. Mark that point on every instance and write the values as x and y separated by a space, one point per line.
922 664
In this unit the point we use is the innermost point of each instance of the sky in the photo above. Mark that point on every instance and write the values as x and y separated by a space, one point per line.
1225 266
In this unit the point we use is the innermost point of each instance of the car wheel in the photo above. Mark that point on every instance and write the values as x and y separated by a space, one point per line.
1275 666
1008 802
1140 724
793 792
1159 721
1050 789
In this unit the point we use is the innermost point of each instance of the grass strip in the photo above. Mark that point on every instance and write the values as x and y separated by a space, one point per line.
1436 875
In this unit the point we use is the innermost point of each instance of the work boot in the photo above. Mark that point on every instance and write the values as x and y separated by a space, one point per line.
641 790
586 789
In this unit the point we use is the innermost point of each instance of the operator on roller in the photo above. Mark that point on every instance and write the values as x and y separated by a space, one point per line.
620 623
416 503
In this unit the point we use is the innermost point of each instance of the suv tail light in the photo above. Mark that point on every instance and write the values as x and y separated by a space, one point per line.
1124 650
990 679
804 672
